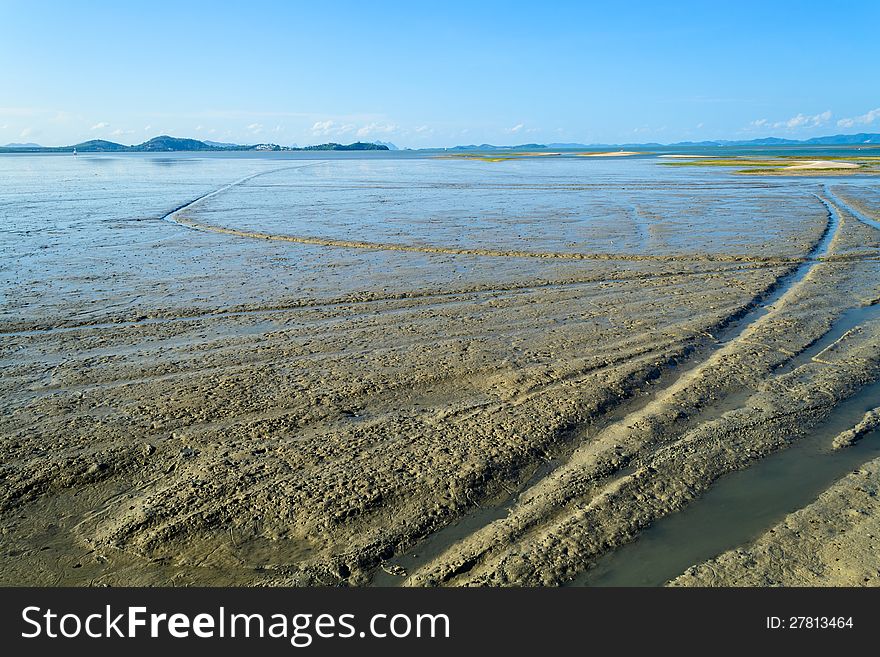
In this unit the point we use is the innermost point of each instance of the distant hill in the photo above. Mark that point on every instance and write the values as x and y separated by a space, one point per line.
97 146
24 145
357 146
166 144
861 138
221 144
833 140
391 147
492 147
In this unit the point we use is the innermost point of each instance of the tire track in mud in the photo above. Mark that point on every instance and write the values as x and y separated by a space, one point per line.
738 327
490 253
801 266
435 545
853 211
442 296
176 216
841 325
189 204
743 504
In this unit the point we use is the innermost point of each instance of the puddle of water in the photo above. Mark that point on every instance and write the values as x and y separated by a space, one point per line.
847 321
742 505
439 542
858 215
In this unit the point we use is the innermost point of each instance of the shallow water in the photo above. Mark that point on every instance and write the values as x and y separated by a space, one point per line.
80 237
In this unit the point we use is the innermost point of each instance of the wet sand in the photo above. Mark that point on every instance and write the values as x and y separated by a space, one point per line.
412 400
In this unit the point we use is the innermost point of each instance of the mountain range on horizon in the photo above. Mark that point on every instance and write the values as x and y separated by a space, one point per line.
165 143
830 140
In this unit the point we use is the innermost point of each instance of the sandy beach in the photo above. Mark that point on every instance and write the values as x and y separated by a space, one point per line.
823 164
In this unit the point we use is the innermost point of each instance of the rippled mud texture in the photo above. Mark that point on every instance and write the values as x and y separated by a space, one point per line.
190 397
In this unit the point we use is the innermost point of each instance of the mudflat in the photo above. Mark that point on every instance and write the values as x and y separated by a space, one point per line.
405 371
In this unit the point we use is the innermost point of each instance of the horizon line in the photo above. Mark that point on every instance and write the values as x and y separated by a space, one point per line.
573 144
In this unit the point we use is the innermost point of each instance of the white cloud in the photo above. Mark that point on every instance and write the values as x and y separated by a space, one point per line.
797 122
199 128
147 128
321 127
25 133
865 119
376 129
4 126
101 125
422 128
804 121
517 128
119 132
255 128
324 128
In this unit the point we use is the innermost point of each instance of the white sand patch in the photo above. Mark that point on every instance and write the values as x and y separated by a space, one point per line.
609 154
823 164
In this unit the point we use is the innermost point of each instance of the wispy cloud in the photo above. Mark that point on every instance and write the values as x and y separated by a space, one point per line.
517 128
101 125
797 122
26 132
376 129
865 119
255 128
804 121
330 127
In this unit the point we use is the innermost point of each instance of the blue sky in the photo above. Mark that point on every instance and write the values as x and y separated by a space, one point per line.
437 73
